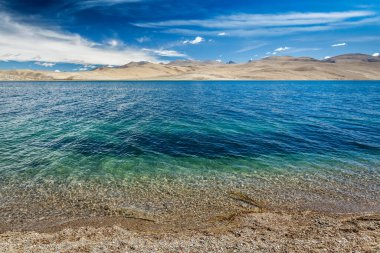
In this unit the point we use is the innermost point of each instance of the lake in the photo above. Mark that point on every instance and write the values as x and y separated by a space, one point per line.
186 150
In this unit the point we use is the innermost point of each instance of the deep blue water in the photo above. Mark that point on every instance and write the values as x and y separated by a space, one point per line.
325 132
206 119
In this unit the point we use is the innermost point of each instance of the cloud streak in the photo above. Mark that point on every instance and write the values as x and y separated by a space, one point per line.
339 44
87 4
250 48
165 53
265 20
265 24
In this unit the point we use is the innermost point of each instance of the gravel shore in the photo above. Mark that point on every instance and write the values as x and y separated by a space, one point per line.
251 232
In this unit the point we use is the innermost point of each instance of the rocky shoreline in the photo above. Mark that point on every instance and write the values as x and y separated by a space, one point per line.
250 232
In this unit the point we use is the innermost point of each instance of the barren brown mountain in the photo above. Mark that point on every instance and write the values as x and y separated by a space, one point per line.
343 67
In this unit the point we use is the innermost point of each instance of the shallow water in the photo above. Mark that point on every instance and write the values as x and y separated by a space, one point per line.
170 147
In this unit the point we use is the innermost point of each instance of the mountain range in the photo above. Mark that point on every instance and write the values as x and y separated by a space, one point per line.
341 67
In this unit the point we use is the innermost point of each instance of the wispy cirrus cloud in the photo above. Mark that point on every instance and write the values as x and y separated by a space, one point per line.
25 42
85 4
264 20
266 24
363 39
251 32
250 48
165 52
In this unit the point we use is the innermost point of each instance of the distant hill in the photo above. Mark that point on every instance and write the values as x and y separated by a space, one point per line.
134 64
192 63
341 67
353 58
183 63
290 58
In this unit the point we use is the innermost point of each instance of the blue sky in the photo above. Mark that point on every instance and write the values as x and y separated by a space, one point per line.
67 35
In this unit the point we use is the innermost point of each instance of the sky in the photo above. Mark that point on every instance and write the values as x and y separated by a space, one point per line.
72 35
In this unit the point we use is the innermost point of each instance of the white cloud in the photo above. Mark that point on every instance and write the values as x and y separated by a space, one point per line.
113 43
327 57
45 64
143 39
376 54
265 20
281 49
272 31
89 66
166 53
267 24
222 34
25 42
339 44
195 41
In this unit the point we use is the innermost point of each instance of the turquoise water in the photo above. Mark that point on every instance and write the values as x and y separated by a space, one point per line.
308 144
